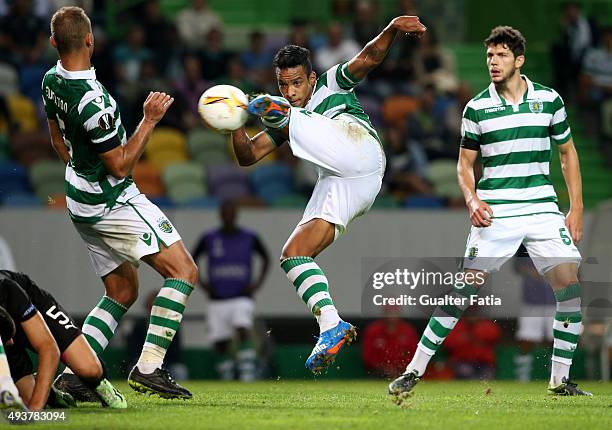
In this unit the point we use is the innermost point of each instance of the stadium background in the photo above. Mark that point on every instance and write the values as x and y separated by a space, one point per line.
188 170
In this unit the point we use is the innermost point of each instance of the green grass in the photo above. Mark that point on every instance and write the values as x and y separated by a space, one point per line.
354 405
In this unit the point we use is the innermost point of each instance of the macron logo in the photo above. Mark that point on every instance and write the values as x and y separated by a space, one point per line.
495 109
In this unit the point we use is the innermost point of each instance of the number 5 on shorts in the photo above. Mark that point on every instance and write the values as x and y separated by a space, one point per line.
564 237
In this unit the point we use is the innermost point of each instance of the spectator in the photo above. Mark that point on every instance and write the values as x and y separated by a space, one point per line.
214 56
195 23
189 88
236 76
160 33
365 23
535 323
388 344
257 59
471 348
230 288
136 337
337 50
433 64
576 36
130 56
23 33
596 78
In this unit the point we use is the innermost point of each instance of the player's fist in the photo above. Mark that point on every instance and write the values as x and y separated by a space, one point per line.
481 213
156 105
409 25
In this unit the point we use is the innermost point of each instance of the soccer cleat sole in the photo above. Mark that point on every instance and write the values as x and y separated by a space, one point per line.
143 389
327 360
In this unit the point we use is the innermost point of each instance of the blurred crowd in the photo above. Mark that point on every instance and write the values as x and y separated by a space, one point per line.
414 98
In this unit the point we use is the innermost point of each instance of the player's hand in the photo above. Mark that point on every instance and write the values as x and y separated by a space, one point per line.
156 105
409 24
573 222
481 213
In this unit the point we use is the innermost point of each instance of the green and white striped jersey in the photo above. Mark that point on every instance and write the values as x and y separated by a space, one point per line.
334 95
515 145
90 122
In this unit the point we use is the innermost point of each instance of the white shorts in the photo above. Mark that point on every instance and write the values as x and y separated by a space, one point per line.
130 231
535 323
225 316
350 162
545 237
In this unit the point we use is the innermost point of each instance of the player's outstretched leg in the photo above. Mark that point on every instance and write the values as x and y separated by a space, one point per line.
273 110
566 329
180 272
312 287
440 325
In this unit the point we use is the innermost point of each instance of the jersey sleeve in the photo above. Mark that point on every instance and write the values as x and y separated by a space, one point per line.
560 131
18 303
470 129
338 78
97 114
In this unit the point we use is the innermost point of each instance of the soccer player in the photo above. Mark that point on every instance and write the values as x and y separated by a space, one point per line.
119 225
39 323
325 125
515 124
230 288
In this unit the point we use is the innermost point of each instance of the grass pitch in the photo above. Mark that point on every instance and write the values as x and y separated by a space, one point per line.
354 405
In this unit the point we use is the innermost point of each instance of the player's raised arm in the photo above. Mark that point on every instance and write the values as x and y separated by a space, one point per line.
250 150
120 159
376 50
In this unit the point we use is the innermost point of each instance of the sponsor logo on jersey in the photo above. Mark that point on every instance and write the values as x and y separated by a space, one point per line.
495 109
536 106
165 225
146 238
106 122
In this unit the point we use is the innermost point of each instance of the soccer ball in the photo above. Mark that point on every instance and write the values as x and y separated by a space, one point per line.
223 108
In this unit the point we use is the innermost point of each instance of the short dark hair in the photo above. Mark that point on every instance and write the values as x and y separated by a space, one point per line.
7 325
69 26
506 35
293 56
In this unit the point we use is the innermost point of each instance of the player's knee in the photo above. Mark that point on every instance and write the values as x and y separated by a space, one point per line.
92 371
125 296
188 271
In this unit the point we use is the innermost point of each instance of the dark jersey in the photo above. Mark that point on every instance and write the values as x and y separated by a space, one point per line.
19 303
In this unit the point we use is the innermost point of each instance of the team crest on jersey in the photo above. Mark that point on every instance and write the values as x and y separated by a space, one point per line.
165 225
106 122
536 106
473 252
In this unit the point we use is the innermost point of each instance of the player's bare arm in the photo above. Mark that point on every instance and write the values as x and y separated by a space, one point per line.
44 344
250 150
480 212
376 50
57 141
570 166
121 160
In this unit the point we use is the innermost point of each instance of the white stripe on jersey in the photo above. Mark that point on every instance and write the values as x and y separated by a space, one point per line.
516 170
80 183
516 145
517 193
514 121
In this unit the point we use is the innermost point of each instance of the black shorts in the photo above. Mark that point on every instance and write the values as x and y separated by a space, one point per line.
62 328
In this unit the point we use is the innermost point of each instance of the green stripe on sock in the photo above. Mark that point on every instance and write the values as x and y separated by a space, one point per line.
314 289
562 353
307 274
158 340
568 293
291 262
1 349
112 307
164 302
563 335
179 285
438 329
429 344
164 322
570 317
451 310
94 344
100 325
321 303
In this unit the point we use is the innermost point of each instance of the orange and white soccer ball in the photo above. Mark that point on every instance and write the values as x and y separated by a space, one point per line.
223 108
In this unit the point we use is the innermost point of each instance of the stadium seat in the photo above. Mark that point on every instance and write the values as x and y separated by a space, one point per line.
57 201
395 109
5 149
227 181
385 202
19 199
443 175
47 179
24 112
271 181
184 182
162 202
424 202
166 146
202 203
148 179
30 77
207 147
9 80
13 179
27 148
